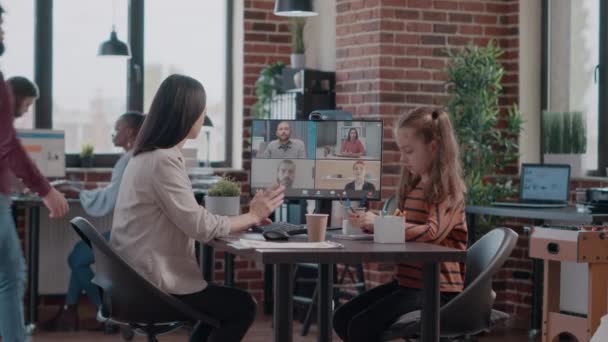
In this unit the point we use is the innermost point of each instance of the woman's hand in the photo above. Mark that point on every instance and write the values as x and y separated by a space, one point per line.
265 202
363 220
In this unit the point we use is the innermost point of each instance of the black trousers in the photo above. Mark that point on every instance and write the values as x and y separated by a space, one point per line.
234 308
367 316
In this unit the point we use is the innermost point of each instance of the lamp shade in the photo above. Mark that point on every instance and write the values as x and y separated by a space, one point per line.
114 47
294 8
207 122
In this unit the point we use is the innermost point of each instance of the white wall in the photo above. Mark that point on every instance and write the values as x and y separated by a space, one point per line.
529 79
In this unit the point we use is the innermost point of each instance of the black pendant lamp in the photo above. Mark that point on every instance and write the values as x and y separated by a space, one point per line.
114 47
294 8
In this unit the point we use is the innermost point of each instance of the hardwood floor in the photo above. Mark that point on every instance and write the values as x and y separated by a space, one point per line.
260 332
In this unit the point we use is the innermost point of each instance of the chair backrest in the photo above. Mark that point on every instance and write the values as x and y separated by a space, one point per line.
484 259
127 296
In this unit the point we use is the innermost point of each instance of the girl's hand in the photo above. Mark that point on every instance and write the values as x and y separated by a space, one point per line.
363 220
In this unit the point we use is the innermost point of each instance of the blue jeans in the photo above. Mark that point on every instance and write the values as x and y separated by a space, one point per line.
12 276
80 261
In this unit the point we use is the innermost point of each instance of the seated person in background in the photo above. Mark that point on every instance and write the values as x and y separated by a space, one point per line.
286 173
157 219
25 93
284 146
97 202
432 195
359 183
352 146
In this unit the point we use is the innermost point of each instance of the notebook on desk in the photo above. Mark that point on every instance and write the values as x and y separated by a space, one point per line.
542 186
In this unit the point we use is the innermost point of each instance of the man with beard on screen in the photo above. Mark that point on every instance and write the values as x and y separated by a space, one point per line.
286 173
284 146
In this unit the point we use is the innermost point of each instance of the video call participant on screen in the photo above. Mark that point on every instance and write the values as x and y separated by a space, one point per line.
96 202
286 173
359 183
25 93
157 219
14 158
284 146
352 146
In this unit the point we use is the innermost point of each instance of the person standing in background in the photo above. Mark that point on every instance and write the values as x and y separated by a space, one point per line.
25 93
13 157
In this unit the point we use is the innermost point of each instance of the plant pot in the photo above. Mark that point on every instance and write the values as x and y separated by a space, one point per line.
298 60
574 160
226 206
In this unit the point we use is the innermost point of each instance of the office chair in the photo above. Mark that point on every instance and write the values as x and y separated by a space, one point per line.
127 297
470 312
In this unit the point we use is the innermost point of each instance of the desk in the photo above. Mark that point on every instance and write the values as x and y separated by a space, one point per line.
538 215
353 252
32 204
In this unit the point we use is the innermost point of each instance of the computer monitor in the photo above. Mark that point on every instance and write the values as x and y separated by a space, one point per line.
318 159
46 148
544 183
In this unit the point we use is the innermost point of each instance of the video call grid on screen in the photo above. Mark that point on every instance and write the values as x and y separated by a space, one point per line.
319 161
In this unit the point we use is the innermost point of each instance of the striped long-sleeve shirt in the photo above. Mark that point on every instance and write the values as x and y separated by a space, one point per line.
433 223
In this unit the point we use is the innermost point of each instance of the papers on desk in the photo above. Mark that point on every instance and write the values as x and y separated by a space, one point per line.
248 244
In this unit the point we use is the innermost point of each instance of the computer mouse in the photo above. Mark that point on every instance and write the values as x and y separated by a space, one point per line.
276 235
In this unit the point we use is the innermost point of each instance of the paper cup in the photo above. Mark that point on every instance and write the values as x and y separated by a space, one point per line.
316 226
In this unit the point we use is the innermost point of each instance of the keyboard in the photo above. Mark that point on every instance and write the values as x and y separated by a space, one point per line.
291 228
529 205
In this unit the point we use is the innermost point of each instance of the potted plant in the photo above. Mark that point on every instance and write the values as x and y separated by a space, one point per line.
296 27
265 87
565 140
86 155
474 85
224 197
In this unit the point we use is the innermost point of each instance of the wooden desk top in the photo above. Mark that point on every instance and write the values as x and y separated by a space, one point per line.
353 252
559 214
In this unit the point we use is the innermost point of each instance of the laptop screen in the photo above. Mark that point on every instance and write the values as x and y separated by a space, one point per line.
548 183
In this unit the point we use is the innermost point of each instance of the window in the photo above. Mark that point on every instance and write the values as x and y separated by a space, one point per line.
574 41
83 94
89 92
189 37
18 59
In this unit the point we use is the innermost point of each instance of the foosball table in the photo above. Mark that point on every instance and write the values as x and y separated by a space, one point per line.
582 247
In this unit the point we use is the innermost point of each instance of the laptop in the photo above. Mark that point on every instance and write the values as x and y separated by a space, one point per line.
542 186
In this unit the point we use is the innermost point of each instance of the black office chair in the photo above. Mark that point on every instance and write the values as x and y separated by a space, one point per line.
470 312
127 297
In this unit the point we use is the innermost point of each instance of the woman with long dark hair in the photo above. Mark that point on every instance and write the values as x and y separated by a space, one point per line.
157 219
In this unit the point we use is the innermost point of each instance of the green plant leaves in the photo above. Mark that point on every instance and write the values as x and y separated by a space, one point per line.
474 78
265 87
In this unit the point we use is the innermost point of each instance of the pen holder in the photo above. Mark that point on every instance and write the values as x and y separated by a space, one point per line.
348 228
389 229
